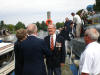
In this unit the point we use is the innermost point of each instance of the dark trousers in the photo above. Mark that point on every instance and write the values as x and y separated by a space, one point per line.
57 71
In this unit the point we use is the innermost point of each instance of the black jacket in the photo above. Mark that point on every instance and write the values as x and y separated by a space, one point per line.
18 66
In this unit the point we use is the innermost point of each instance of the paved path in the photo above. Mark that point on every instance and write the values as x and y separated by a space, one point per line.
66 69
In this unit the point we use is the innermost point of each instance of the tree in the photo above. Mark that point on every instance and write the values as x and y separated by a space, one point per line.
38 25
79 12
59 25
43 26
2 25
19 25
10 27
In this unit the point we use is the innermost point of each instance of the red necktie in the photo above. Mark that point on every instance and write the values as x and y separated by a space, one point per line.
52 44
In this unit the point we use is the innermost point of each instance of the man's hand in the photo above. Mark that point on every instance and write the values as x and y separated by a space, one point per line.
62 64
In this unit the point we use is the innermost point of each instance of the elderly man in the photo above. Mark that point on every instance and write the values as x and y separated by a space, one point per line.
68 24
57 47
33 50
89 61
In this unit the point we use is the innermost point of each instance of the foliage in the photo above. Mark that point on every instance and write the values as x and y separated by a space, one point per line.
19 25
10 27
38 25
2 24
59 25
79 12
41 26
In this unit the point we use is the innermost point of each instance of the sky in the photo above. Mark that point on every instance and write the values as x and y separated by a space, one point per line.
31 11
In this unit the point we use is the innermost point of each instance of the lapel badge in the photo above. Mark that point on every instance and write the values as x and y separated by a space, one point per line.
58 45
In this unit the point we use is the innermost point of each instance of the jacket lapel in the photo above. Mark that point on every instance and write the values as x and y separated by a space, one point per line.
48 39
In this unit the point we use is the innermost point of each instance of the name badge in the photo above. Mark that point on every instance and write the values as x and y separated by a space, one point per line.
58 45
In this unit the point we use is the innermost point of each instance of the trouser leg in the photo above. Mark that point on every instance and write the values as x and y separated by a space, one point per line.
50 71
57 71
78 29
66 46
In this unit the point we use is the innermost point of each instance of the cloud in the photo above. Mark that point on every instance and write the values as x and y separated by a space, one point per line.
27 11
18 5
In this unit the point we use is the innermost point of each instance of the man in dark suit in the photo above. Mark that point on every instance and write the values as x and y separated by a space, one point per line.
33 50
57 46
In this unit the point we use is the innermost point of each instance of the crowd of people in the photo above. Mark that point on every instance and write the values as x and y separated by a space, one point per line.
30 51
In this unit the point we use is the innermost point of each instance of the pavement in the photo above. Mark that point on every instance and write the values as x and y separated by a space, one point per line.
66 68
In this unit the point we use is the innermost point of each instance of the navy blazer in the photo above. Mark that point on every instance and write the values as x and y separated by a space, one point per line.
33 50
58 55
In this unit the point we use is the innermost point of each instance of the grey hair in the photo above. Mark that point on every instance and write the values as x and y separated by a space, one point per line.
92 33
54 25
31 29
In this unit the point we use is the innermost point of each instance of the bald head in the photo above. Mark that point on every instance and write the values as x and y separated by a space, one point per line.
32 29
67 19
51 26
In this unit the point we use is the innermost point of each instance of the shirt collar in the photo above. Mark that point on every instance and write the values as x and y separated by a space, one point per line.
32 35
53 35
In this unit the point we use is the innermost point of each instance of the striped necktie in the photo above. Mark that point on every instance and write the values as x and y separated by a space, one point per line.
52 44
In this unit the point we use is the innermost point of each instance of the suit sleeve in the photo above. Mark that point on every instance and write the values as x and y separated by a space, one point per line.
18 57
46 50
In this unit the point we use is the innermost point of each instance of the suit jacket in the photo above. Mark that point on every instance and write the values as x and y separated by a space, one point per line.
58 54
33 51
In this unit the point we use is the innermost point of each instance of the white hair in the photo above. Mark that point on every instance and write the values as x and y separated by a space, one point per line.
52 25
92 33
31 29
